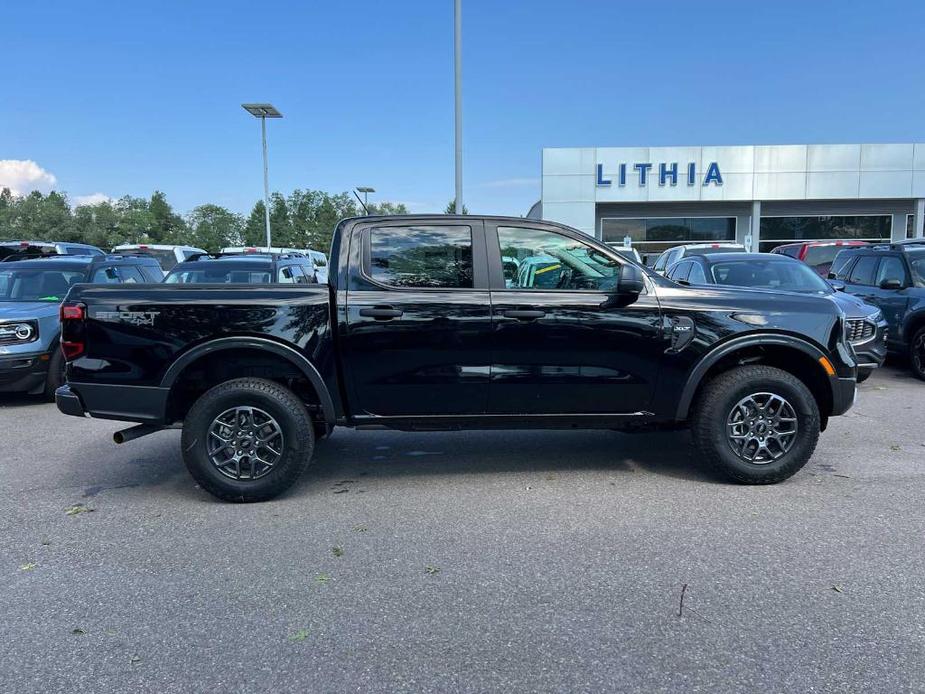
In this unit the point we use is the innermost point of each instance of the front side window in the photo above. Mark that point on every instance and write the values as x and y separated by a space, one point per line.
891 268
840 265
863 270
917 265
105 275
285 275
696 275
548 261
432 257
131 275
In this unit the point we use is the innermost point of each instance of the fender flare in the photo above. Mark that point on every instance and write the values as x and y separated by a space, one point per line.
291 355
711 358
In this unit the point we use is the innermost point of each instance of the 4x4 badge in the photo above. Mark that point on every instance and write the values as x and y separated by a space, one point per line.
132 317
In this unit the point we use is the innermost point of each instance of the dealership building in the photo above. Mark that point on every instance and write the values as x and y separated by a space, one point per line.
758 195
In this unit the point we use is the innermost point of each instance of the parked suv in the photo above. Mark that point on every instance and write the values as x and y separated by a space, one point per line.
891 277
30 294
673 255
23 250
319 261
817 254
865 325
420 327
256 268
168 256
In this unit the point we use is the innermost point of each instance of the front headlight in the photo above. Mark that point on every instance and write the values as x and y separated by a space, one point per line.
18 332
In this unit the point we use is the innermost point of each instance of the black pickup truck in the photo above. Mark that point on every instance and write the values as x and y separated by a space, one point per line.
446 322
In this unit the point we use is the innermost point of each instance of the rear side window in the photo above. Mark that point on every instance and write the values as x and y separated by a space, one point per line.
863 270
436 257
131 274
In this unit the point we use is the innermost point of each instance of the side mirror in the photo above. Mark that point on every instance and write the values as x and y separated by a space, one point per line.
837 285
891 284
831 276
631 280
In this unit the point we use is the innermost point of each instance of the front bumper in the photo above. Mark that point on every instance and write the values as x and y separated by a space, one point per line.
23 373
872 353
844 392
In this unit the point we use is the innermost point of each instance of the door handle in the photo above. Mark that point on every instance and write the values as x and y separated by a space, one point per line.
523 314
381 312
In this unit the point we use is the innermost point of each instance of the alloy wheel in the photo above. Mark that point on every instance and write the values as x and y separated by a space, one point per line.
761 427
245 443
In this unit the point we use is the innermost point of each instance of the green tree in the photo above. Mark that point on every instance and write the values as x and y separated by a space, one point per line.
167 226
213 227
388 208
255 226
451 207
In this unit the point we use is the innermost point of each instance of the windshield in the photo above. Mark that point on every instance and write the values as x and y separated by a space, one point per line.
38 285
219 275
791 276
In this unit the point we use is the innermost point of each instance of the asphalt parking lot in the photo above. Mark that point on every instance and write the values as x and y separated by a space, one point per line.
469 561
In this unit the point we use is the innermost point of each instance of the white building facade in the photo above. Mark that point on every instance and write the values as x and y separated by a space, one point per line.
759 195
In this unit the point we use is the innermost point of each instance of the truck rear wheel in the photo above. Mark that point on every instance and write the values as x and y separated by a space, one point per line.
247 440
756 424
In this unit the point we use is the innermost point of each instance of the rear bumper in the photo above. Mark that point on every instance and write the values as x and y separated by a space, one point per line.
104 401
23 373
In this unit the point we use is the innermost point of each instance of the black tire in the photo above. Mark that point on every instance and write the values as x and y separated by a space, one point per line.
291 418
55 377
864 374
715 406
917 353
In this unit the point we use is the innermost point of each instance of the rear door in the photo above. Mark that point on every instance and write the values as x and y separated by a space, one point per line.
418 319
561 344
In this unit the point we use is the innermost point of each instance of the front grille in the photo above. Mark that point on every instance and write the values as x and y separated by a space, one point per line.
18 332
859 330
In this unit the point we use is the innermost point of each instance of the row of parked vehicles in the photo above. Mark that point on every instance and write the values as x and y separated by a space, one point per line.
450 322
35 278
880 287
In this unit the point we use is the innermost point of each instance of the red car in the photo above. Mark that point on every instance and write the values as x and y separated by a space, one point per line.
817 254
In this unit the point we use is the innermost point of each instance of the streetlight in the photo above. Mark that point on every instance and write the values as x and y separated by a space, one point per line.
366 190
457 61
264 111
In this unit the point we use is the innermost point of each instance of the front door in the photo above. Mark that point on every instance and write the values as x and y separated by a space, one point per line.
418 320
563 341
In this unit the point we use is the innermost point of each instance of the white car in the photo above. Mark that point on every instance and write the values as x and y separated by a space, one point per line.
319 259
167 256
673 255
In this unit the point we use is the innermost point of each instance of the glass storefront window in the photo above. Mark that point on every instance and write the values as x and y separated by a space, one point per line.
776 231
651 234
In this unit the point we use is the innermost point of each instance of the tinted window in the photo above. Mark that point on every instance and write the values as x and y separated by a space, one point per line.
304 274
863 270
152 273
220 273
679 271
105 275
696 275
891 268
421 256
840 265
661 261
546 260
132 274
166 258
917 263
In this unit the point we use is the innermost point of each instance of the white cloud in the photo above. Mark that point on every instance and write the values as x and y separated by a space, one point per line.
22 176
92 199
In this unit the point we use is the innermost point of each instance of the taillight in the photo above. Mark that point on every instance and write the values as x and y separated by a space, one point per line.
73 317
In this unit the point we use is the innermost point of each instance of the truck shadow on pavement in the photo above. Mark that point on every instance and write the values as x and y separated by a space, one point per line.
384 455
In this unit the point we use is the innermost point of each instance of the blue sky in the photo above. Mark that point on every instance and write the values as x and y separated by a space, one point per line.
127 97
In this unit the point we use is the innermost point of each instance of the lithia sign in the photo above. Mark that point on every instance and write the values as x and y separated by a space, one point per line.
667 174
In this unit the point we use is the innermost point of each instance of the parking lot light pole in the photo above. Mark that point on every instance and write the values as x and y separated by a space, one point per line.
366 190
457 74
264 111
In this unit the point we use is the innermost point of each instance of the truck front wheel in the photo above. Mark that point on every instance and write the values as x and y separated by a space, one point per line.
755 424
247 440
